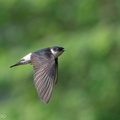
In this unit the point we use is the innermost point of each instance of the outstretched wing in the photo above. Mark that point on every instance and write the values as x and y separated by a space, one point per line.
45 75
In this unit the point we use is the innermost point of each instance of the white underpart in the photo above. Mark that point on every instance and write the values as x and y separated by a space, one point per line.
27 58
55 53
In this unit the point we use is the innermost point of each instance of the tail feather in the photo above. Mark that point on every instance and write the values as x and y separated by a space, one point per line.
19 63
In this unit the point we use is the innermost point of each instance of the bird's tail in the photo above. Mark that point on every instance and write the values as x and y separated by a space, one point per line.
18 63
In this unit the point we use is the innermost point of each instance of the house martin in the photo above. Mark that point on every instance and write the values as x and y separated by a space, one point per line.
45 64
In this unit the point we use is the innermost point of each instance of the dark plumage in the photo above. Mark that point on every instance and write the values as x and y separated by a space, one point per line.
45 64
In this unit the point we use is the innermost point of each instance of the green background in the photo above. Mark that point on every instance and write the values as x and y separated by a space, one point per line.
89 70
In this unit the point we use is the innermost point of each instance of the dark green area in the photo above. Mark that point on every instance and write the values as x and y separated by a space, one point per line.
89 70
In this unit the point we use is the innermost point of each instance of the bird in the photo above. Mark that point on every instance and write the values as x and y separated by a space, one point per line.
45 65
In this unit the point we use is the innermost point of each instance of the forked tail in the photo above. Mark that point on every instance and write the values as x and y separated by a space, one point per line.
19 63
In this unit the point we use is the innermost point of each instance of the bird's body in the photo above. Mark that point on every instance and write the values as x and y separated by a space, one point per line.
45 64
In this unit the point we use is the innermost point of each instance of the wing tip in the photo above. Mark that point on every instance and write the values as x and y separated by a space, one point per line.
44 100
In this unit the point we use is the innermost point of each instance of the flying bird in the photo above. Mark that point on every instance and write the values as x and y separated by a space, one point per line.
45 64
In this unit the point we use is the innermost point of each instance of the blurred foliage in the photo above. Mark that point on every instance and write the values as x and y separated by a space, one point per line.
89 69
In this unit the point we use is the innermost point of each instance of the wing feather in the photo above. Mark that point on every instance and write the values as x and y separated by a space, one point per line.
45 75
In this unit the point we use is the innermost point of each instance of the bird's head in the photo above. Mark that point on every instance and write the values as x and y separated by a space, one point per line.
57 50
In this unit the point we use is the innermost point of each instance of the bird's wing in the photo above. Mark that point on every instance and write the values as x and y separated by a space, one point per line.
45 75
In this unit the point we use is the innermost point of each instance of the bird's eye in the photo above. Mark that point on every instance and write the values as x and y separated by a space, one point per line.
56 49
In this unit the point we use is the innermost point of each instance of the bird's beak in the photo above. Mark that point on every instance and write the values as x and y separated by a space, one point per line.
63 49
